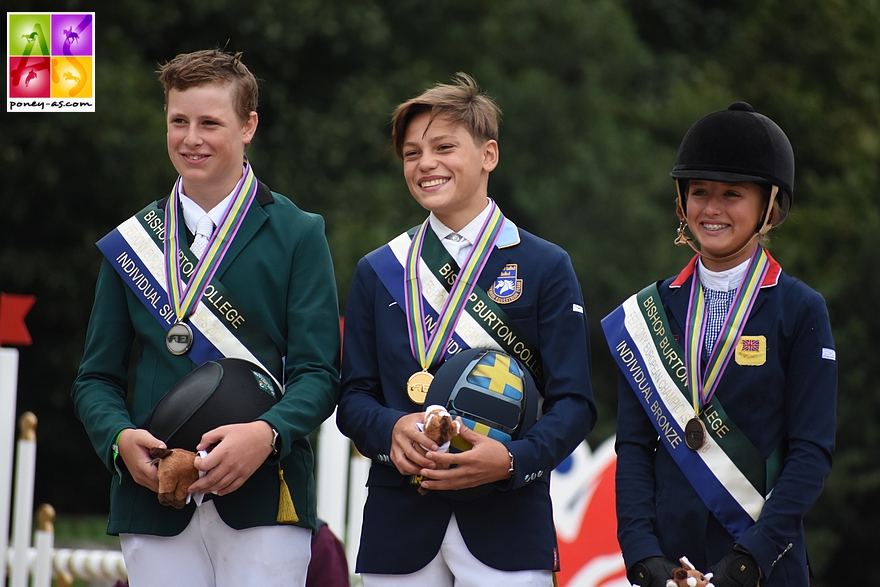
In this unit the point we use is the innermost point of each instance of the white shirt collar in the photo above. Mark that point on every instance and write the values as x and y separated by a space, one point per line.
192 212
470 233
726 280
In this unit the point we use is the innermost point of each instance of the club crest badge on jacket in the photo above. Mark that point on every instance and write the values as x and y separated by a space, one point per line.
507 288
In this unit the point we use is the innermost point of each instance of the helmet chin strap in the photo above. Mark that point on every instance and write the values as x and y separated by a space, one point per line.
682 238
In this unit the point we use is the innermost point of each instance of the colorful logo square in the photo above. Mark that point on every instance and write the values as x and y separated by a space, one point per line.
50 62
29 77
72 34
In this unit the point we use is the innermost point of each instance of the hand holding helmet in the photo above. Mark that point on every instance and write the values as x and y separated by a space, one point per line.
496 399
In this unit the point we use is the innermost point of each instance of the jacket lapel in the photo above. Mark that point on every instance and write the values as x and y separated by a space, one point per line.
678 305
499 258
496 263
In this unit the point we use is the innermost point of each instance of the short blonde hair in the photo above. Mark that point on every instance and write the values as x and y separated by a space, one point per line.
212 66
461 102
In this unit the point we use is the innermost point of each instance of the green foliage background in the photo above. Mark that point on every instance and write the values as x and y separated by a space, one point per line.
596 95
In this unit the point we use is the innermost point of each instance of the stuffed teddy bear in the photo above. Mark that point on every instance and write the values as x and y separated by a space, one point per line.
176 474
439 426
688 576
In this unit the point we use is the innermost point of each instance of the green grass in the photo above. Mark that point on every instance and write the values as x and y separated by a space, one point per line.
83 532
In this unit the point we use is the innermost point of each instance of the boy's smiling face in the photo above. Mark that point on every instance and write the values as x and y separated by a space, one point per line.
206 140
446 172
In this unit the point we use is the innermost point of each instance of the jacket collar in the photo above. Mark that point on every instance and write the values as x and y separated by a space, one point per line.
253 220
264 196
770 280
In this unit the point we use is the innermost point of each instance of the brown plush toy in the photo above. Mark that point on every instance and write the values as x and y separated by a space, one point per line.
688 576
176 474
439 427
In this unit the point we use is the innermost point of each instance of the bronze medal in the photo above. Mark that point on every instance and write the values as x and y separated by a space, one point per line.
417 386
179 338
695 434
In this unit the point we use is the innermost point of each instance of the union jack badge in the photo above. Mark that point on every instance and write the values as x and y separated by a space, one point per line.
750 344
507 288
751 350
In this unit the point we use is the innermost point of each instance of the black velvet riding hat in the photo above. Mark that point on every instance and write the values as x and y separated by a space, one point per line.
738 145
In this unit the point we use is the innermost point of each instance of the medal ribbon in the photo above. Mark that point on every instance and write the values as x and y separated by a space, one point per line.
426 347
702 384
728 472
184 297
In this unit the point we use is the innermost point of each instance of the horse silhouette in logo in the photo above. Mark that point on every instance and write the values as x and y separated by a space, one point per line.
31 37
70 36
68 75
503 286
31 75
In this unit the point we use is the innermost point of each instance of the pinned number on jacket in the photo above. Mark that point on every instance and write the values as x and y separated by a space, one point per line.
829 354
577 308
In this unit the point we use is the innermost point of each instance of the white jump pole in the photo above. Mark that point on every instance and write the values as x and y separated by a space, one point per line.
359 470
25 465
332 475
8 390
45 546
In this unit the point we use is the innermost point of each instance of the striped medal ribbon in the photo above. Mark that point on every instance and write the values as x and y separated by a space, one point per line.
426 346
185 296
703 384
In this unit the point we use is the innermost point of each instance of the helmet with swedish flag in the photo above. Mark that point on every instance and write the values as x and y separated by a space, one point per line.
492 393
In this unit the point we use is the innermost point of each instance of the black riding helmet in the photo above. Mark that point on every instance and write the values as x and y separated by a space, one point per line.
738 145
217 393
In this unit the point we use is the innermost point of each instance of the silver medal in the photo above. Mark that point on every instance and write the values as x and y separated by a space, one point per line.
179 338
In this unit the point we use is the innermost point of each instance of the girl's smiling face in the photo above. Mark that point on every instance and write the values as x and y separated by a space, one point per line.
723 217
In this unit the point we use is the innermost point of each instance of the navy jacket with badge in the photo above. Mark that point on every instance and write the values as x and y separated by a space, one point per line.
279 269
788 401
512 527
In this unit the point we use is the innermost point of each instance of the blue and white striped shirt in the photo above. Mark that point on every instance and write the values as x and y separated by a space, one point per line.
719 291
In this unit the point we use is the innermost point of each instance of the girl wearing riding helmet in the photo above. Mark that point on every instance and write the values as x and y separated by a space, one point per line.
728 376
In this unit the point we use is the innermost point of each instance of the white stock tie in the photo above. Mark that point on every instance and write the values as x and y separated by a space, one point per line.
458 247
204 229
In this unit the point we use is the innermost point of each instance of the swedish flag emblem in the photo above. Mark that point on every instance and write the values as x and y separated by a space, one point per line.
492 393
496 372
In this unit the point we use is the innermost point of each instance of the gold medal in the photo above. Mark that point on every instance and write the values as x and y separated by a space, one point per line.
179 338
429 346
417 386
695 434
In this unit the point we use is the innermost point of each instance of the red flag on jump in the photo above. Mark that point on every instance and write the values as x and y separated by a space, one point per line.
13 309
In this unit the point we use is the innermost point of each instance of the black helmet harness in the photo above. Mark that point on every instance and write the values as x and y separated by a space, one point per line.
734 146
